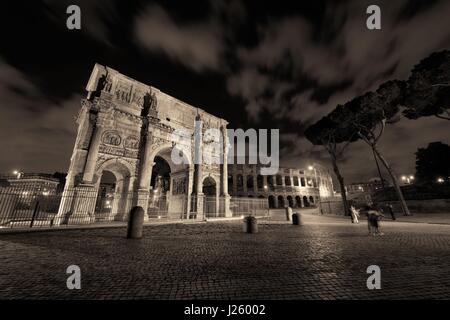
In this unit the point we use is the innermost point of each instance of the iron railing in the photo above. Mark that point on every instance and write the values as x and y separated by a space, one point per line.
29 207
222 207
249 206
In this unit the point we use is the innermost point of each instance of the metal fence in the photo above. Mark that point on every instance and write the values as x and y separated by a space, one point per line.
21 207
25 207
235 207
249 206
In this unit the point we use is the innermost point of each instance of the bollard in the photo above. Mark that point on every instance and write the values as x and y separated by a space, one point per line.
288 213
250 225
135 223
297 219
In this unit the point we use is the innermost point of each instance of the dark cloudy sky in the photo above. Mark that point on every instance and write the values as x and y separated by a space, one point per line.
278 65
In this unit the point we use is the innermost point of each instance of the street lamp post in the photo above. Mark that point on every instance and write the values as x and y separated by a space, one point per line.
18 173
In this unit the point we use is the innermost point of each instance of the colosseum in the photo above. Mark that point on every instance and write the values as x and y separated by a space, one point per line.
294 187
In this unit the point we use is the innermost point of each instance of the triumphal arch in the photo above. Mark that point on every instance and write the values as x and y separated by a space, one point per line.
125 130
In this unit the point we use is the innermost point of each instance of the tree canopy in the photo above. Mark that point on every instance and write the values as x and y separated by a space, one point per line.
425 93
429 88
374 109
360 117
331 129
364 117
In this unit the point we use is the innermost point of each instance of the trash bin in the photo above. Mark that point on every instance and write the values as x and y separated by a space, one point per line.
250 225
135 223
288 213
297 219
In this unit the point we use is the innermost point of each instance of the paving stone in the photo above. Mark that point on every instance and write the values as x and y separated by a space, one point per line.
324 259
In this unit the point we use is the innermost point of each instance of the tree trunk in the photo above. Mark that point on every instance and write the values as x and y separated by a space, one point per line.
394 181
341 184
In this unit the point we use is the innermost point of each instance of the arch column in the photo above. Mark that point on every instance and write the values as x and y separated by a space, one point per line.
91 161
81 209
145 172
146 166
190 190
198 165
224 183
128 201
218 200
79 154
224 178
84 121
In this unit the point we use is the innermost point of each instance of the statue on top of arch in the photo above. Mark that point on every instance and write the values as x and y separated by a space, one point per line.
149 106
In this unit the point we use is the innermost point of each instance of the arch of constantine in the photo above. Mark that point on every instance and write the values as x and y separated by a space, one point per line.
124 135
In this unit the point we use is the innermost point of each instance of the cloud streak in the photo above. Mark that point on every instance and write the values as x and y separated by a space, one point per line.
37 129
200 46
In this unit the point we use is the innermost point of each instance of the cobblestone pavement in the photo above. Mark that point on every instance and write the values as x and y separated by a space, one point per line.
324 259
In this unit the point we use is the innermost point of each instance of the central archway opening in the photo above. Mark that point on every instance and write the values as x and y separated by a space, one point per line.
209 187
159 189
160 181
170 184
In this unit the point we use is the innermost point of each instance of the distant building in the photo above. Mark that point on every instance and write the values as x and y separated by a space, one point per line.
406 180
290 186
361 192
39 183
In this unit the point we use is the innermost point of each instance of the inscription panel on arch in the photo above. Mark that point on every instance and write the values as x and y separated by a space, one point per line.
120 152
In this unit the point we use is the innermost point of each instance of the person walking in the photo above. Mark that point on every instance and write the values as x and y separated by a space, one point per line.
355 214
377 218
391 211
367 211
373 220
